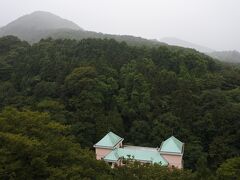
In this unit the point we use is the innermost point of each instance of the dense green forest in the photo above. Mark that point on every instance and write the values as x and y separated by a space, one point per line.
59 97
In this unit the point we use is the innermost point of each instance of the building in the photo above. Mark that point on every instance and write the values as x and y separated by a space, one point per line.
111 149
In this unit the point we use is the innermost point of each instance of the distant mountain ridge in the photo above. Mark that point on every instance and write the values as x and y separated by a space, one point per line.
40 24
226 56
130 40
179 42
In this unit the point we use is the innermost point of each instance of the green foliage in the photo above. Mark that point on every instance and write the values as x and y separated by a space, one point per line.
135 170
202 172
84 89
35 147
230 169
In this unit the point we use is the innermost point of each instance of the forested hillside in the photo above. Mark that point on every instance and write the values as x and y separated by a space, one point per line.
58 97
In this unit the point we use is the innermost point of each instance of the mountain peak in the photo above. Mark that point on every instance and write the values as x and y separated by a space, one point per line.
35 23
42 12
43 20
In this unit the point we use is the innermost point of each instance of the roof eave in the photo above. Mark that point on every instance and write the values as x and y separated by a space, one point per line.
103 147
171 153
112 161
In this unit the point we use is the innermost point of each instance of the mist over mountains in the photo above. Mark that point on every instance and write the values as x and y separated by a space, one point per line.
39 25
179 42
225 56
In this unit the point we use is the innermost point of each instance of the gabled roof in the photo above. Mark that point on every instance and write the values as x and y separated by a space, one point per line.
109 140
139 154
172 145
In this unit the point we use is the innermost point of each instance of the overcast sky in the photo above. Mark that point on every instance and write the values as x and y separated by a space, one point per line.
212 23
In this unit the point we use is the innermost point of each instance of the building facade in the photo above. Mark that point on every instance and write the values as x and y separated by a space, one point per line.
111 149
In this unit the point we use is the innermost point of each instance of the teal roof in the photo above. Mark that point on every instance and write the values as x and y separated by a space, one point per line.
172 145
112 156
109 140
138 153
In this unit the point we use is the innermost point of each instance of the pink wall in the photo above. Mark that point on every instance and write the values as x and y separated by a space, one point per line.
100 152
173 160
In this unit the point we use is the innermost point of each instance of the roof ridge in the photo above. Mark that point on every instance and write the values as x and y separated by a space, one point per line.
176 144
110 137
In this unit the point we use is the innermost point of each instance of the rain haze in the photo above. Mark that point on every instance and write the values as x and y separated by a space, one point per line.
213 23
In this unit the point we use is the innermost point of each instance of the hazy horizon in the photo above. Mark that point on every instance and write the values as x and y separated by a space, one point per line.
213 24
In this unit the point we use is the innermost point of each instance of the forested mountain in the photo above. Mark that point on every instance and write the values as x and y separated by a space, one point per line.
130 40
59 96
226 56
39 25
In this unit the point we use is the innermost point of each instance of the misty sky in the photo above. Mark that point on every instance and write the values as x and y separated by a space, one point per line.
212 23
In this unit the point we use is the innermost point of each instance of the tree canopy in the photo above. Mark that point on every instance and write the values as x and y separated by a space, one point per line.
58 97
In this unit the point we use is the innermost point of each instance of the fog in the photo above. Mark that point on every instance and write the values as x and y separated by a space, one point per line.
211 23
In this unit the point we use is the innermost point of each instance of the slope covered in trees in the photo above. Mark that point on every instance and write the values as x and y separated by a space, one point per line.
60 96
